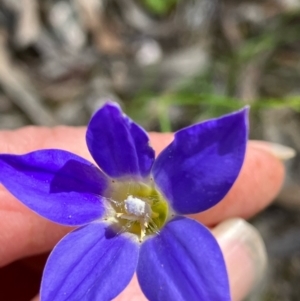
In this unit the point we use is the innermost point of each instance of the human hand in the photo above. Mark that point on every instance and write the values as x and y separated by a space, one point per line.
23 233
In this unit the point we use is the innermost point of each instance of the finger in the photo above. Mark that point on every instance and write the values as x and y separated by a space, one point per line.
24 233
244 254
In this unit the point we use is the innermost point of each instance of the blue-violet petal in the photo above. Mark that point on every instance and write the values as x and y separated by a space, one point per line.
56 184
118 145
91 263
200 166
184 262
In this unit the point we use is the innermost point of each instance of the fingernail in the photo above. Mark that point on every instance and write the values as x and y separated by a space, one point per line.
280 151
244 253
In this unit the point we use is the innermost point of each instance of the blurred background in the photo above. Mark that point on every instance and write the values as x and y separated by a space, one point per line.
169 63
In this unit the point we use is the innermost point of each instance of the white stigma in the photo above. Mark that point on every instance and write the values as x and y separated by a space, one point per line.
137 207
137 210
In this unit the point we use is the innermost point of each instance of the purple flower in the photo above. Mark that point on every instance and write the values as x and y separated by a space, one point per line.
130 211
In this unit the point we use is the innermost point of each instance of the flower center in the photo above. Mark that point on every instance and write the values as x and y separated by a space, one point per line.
136 207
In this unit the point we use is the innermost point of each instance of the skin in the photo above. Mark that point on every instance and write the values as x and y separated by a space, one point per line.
24 233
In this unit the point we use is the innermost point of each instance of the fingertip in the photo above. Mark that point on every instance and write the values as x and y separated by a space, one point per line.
281 152
244 253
